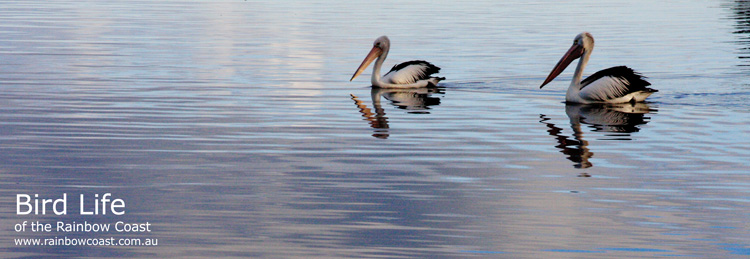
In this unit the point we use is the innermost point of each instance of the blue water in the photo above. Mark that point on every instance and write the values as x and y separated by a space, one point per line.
233 129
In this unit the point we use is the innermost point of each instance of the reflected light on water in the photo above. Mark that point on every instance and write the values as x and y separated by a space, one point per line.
230 127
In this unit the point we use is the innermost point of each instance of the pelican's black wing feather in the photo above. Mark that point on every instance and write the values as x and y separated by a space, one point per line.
635 81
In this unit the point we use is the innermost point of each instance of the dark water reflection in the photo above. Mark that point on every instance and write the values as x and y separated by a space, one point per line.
416 101
741 16
617 121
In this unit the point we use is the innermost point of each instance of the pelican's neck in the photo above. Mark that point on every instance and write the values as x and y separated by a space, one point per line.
575 84
572 95
579 69
376 68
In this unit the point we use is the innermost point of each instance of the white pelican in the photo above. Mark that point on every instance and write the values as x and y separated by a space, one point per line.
411 74
612 85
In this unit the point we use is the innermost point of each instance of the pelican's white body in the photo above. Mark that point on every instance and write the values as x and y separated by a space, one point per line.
600 90
407 77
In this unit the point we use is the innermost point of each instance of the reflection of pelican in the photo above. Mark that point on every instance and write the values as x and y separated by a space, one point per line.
615 118
415 100
621 119
377 120
411 74
612 85
741 16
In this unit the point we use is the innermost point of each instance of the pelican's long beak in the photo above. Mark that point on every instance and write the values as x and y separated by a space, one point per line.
575 51
374 53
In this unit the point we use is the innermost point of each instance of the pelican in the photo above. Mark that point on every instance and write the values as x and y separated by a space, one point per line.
411 74
612 85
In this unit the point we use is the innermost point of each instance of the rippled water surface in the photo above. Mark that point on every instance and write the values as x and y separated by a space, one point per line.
233 129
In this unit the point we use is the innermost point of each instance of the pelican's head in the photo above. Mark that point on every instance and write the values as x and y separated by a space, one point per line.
380 46
583 43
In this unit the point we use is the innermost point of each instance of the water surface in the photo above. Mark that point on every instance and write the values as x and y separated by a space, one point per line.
233 129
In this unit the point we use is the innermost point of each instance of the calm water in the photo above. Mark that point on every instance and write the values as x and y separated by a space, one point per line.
233 129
